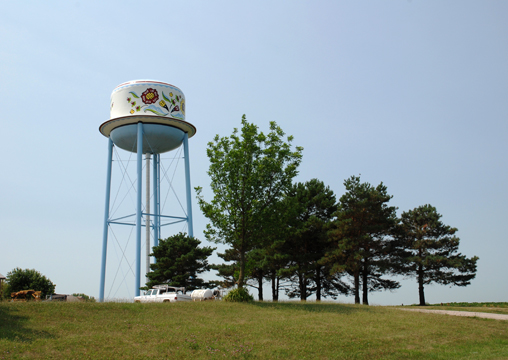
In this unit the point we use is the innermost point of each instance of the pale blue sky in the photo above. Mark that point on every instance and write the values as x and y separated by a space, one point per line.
410 93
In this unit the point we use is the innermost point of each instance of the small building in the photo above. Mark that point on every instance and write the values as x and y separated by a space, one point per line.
63 297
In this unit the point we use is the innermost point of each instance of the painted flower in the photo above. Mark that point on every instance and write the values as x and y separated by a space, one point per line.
163 104
182 106
150 96
170 94
138 108
133 103
132 111
128 99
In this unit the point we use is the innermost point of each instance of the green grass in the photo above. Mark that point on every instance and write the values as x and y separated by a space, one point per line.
218 330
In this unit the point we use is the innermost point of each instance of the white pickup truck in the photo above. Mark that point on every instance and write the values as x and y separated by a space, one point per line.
163 293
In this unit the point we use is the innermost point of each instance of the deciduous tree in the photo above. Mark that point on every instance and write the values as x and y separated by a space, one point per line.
249 172
29 279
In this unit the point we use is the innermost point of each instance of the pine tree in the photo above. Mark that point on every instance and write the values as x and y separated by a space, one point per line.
314 203
360 237
179 261
427 250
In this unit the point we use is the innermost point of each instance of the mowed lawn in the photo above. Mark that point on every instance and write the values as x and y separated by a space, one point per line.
260 330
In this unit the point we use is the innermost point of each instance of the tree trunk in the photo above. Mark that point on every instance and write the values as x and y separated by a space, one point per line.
365 284
303 288
318 283
241 276
357 287
275 292
420 285
260 288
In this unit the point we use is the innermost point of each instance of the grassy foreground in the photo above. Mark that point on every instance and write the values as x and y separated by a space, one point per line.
211 330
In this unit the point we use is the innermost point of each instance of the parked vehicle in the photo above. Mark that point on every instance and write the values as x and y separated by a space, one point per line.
163 293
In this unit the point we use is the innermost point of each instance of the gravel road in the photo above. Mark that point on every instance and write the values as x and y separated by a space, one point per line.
463 313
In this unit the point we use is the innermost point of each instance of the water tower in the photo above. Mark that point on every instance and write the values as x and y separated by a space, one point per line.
146 117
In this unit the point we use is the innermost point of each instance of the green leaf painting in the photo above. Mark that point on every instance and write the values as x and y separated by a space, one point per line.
155 112
134 94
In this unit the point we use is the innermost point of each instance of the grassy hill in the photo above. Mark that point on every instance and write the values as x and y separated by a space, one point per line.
213 330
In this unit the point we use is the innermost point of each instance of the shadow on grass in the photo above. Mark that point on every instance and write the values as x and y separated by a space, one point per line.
14 326
313 307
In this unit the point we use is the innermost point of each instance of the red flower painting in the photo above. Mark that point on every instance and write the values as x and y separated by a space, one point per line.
150 96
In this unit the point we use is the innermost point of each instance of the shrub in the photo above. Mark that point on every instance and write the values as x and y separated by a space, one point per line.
5 292
29 279
238 295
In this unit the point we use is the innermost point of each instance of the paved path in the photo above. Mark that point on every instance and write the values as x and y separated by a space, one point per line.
463 313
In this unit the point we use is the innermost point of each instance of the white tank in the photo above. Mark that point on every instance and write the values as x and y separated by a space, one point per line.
158 105
201 295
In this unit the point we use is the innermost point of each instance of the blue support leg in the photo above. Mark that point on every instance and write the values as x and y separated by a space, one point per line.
138 208
106 221
155 200
159 233
188 184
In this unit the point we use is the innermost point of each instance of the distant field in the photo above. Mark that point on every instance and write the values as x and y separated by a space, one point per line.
219 330
492 307
474 304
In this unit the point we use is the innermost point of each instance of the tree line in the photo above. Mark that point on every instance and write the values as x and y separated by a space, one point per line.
299 237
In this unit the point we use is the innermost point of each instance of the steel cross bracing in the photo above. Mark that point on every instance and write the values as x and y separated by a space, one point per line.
156 215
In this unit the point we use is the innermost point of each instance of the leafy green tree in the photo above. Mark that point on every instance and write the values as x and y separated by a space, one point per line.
179 261
5 291
314 204
249 172
428 251
29 279
360 237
